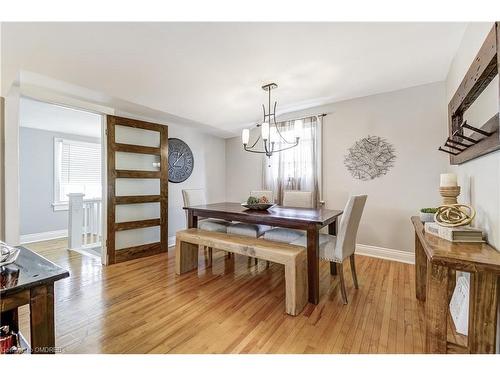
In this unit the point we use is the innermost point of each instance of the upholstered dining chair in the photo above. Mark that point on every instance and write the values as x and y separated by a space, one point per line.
295 198
291 198
338 248
196 197
252 230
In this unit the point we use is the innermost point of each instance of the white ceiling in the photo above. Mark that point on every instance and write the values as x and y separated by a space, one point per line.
39 115
211 73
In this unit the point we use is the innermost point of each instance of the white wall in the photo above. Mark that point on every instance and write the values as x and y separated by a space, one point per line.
243 169
2 172
482 175
11 162
36 180
209 173
413 120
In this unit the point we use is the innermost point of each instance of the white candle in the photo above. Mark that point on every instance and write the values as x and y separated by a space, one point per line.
448 179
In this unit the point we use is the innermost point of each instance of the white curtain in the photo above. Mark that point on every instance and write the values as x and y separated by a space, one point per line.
298 168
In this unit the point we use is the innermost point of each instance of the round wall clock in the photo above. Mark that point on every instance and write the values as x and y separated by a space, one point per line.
180 160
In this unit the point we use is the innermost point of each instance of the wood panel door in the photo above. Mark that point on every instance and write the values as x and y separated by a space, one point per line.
128 148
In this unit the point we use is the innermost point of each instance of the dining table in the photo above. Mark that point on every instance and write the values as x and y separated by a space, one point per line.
310 220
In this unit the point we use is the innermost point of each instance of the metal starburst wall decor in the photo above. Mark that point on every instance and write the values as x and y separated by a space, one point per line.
369 158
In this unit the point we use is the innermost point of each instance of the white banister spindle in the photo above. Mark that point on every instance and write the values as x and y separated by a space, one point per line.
99 218
85 223
75 220
84 229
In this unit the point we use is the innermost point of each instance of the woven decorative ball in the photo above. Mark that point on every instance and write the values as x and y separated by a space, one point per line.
454 215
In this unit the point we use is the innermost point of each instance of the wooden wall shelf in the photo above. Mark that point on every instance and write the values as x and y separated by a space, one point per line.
485 138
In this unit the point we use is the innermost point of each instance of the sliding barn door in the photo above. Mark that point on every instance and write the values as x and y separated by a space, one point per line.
137 222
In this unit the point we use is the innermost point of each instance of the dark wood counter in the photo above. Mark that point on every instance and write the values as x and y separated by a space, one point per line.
436 262
30 281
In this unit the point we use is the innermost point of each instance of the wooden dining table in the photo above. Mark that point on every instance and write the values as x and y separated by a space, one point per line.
310 220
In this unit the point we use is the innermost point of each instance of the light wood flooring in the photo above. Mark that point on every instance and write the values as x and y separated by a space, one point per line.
141 306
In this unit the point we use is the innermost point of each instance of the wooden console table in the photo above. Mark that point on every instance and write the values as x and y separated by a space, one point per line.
436 261
30 281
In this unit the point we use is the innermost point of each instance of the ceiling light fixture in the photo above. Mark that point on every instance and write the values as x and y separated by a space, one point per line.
270 132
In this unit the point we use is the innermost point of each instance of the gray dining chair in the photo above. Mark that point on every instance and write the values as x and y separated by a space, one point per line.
252 230
196 197
296 198
291 198
338 248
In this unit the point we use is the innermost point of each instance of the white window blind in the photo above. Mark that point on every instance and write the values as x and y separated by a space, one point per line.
78 169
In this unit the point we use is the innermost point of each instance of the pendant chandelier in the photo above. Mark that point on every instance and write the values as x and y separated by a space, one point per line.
270 133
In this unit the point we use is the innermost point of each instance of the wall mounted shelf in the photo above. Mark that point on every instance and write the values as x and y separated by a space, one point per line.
465 141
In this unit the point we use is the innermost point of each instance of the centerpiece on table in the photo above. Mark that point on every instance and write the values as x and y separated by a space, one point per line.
254 203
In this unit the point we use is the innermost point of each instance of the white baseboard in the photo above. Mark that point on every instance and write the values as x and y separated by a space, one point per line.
367 250
384 253
171 241
44 236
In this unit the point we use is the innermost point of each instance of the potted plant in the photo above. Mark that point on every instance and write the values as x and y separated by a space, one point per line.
427 214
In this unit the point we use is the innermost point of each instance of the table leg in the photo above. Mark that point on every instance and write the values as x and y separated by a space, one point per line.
313 264
483 305
192 220
332 229
436 309
420 270
42 319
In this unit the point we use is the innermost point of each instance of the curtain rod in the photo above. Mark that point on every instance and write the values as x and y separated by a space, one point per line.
302 117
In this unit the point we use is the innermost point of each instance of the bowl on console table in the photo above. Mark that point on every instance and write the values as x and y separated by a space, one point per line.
427 214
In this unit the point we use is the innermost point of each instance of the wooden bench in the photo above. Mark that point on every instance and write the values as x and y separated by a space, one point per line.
291 256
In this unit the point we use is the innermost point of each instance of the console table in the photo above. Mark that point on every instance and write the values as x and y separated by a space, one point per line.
436 261
30 281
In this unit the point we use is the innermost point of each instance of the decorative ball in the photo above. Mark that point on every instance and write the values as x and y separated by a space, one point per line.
454 215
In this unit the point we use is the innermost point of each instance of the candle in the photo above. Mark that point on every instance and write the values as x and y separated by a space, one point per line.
448 179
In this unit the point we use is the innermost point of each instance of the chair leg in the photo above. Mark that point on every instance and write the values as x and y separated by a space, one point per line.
353 271
210 252
340 271
267 264
333 269
256 261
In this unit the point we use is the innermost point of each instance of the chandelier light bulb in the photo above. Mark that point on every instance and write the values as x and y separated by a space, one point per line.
245 136
265 130
298 125
273 134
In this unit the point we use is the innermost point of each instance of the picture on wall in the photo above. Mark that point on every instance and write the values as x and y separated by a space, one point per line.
369 158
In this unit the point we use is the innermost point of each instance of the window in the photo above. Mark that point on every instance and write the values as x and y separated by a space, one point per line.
77 169
298 168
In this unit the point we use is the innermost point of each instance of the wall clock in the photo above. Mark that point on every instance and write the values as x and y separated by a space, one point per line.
180 160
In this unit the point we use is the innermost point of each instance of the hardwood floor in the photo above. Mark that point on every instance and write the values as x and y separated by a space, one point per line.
141 306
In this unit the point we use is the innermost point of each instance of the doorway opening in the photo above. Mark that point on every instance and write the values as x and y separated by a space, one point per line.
61 176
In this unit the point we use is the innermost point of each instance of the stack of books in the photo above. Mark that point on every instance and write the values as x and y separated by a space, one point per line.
455 234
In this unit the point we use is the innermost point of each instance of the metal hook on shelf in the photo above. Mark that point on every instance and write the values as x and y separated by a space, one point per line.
448 151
